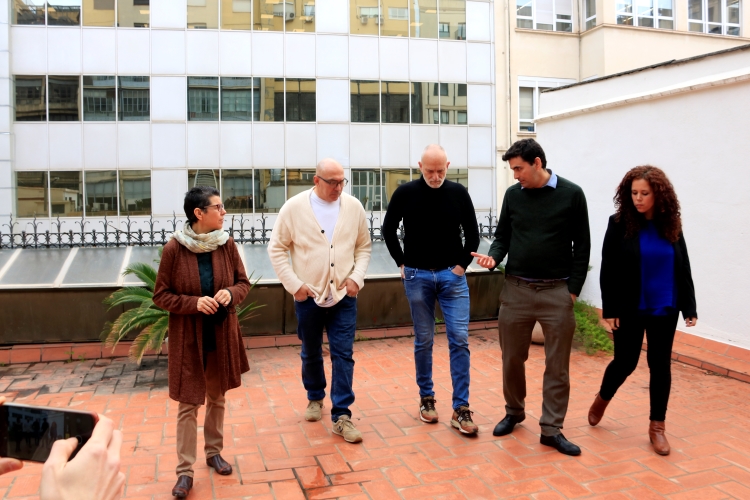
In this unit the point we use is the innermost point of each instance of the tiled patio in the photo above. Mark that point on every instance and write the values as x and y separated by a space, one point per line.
278 455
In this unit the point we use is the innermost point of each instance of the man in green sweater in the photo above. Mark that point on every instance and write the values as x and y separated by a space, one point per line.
544 231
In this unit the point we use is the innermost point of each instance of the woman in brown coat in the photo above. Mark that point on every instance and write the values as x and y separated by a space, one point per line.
201 280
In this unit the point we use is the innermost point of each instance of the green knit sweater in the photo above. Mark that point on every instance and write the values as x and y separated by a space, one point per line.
545 233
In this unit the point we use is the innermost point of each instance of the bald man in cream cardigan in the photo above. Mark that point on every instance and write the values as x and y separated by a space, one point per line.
325 232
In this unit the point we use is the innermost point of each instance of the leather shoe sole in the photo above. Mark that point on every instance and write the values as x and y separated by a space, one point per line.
506 425
219 465
561 444
183 487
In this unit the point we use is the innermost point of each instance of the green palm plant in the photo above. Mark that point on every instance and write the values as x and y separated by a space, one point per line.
146 317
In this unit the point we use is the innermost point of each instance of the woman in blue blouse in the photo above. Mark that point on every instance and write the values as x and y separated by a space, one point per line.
645 282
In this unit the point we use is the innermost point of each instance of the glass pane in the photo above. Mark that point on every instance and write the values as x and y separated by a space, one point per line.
300 100
697 27
64 13
268 15
525 23
203 98
66 193
98 12
395 102
95 265
395 19
733 30
647 22
453 102
415 174
714 11
733 12
268 102
64 98
645 8
422 102
714 29
591 23
695 11
568 27
269 192
526 103
99 98
203 177
666 24
526 126
624 6
298 181
364 101
135 192
302 16
237 98
459 175
237 191
236 14
134 98
424 19
36 266
453 18
135 14
28 11
393 179
366 188
524 8
541 26
564 9
364 17
101 193
30 99
203 14
665 8
590 10
144 255
32 195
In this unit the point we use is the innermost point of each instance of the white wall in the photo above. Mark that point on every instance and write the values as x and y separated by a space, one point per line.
700 140
6 175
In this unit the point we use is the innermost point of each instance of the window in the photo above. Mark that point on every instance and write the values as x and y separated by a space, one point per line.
391 180
443 89
589 14
135 192
236 14
30 98
424 19
303 16
204 177
64 92
64 13
720 17
269 192
365 17
268 100
237 98
366 188
101 193
99 98
28 11
396 23
646 13
452 15
398 13
528 98
134 98
444 19
203 98
551 15
203 14
424 102
268 15
300 100
394 98
459 175
444 30
133 14
32 194
452 103
99 13
365 101
298 180
237 191
66 194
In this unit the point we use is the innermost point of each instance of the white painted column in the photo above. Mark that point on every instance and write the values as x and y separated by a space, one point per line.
6 177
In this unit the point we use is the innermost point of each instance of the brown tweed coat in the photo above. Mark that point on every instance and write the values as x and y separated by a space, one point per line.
177 290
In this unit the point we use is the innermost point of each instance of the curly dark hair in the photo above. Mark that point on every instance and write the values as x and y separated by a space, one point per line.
666 207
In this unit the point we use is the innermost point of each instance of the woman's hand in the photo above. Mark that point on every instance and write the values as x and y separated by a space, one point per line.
223 297
207 305
614 323
691 322
8 464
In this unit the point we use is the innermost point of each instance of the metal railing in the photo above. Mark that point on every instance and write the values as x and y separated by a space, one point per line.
240 229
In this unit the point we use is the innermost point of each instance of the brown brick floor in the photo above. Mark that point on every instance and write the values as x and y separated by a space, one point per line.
276 454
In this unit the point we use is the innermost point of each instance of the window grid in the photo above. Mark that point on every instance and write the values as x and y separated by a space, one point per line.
529 89
589 14
718 17
549 15
646 13
430 16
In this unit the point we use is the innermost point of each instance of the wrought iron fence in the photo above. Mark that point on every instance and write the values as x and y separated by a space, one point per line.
240 229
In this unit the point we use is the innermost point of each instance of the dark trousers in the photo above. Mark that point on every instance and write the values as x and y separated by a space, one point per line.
628 342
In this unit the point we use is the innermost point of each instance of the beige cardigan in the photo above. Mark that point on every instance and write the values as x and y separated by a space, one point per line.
315 261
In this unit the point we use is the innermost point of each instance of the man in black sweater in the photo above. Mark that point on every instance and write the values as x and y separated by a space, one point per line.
544 230
433 263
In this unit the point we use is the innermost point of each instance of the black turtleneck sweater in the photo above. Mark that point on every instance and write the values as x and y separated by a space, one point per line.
433 219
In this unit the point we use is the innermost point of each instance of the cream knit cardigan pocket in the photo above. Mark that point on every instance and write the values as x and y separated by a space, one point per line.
314 261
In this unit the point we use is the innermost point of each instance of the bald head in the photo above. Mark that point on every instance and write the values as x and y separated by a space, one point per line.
327 167
329 180
434 165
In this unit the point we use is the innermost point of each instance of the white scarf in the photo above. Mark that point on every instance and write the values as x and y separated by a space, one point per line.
200 243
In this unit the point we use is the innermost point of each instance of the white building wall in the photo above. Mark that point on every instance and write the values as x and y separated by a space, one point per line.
699 139
6 144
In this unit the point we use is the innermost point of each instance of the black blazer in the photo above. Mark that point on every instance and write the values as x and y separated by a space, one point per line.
620 277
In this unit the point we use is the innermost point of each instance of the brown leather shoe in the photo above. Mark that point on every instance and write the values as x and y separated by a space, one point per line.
183 486
658 439
220 465
596 412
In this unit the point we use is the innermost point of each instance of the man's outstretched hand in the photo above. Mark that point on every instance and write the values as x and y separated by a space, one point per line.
485 261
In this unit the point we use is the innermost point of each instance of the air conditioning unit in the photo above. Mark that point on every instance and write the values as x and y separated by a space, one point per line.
363 19
288 16
378 19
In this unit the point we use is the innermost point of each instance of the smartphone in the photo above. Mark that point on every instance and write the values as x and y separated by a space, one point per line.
28 432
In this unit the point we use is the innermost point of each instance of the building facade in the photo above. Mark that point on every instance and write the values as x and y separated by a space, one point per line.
117 107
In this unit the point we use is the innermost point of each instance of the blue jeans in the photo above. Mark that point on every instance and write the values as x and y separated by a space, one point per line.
340 322
423 287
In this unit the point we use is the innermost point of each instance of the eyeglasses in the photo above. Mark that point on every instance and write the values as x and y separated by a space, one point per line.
219 207
334 183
